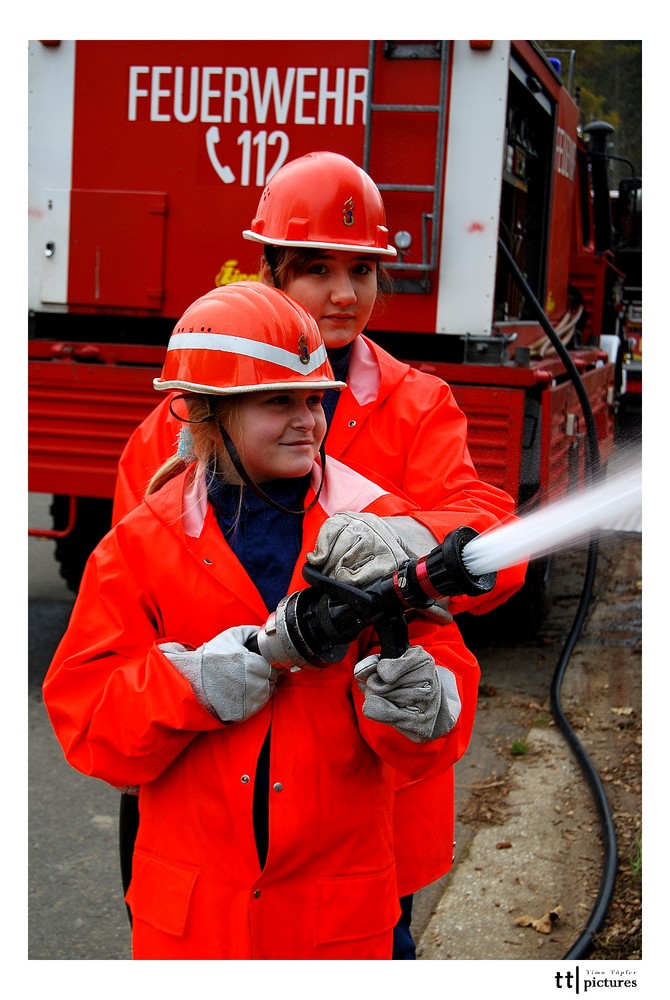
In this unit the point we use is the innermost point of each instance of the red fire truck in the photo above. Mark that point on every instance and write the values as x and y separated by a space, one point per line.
147 159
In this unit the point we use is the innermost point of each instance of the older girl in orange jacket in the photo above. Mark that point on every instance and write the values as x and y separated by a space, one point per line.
397 426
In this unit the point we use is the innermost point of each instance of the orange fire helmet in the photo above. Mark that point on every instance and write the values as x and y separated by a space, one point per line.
246 337
322 200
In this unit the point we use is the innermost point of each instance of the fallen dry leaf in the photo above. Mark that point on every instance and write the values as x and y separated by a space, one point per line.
543 924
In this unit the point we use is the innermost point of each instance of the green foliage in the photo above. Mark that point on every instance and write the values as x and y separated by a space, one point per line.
520 748
607 86
636 856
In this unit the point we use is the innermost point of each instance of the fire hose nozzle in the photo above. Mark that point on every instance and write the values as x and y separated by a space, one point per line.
445 569
313 627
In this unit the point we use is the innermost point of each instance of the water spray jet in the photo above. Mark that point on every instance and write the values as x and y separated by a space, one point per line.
609 505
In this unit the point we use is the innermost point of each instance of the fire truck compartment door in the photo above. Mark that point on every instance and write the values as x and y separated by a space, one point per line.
117 249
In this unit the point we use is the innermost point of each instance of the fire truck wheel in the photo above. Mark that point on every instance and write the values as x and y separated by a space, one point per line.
93 520
536 593
520 616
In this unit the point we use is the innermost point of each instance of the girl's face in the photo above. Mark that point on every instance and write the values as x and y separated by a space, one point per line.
278 433
339 289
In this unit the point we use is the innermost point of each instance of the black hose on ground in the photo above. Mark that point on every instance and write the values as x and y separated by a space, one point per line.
584 943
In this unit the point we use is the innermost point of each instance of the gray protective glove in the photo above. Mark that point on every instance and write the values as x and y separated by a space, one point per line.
358 549
228 679
410 693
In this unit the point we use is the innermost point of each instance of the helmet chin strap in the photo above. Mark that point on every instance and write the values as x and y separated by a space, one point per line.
248 481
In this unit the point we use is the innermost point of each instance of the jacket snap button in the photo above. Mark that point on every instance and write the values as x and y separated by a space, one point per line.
352 423
257 893
245 779
207 562
278 786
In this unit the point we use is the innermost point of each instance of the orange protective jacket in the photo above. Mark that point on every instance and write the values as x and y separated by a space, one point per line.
124 714
402 429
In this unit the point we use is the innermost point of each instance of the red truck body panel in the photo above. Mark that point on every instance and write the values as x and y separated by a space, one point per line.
148 158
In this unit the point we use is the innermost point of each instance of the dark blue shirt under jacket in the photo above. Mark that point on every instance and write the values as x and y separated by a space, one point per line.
267 541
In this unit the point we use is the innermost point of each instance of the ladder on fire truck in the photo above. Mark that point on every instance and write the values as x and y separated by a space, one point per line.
429 220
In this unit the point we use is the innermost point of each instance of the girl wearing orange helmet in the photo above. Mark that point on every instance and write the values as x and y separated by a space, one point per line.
266 795
268 385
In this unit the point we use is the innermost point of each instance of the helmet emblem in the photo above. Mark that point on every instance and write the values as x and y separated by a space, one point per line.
348 212
303 349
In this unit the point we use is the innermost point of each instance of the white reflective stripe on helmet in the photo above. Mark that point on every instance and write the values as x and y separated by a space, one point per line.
235 390
362 249
248 348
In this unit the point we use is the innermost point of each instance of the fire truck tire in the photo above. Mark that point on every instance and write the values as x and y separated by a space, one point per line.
94 519
535 596
521 615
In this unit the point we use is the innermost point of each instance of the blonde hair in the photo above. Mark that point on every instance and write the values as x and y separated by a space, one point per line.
205 452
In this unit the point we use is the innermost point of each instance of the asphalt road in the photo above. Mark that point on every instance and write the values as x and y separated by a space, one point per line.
76 908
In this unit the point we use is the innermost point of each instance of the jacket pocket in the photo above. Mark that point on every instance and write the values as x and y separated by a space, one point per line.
160 891
355 907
